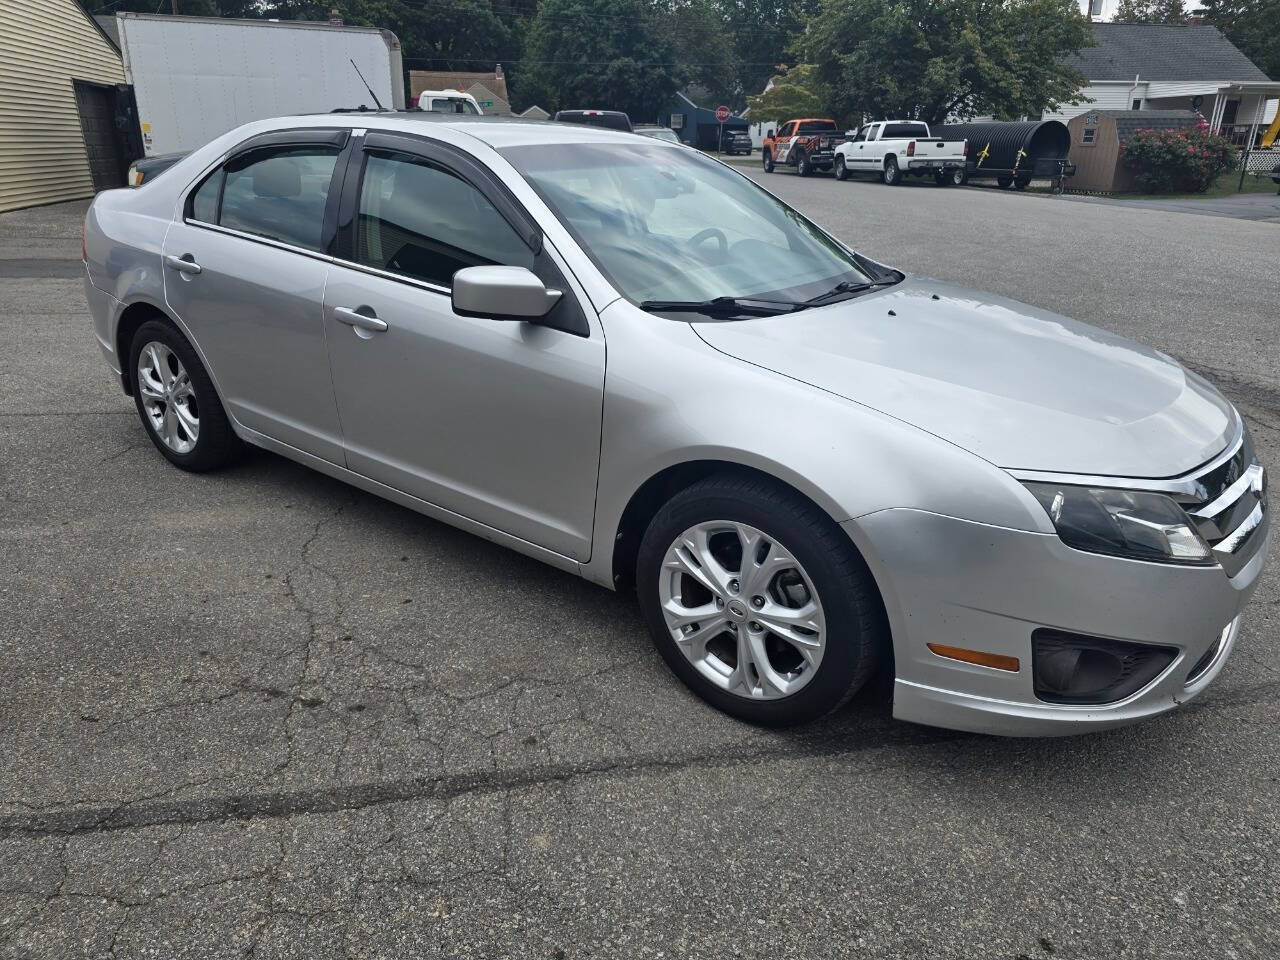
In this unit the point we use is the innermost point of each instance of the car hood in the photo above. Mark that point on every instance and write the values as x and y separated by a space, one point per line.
1020 387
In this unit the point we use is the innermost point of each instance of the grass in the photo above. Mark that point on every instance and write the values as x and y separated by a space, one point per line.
1225 187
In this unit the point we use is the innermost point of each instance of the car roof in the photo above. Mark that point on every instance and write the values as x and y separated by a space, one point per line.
497 132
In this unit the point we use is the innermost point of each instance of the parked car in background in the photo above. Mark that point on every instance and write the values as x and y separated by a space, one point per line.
448 101
810 465
892 149
807 145
145 169
657 132
736 142
610 119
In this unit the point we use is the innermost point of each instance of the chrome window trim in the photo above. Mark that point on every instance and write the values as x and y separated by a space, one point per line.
398 277
256 238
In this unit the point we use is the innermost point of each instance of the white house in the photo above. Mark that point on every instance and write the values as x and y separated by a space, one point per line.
1156 66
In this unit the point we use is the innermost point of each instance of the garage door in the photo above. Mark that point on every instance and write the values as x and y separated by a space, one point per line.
96 105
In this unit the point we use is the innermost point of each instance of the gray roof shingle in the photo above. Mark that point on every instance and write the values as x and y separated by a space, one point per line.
1160 51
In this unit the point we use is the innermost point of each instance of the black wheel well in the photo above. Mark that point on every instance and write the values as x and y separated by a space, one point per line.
134 316
655 492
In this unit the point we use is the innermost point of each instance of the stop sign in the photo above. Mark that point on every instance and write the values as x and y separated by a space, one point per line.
722 113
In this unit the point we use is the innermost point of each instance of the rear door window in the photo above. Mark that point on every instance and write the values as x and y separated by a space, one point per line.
279 193
903 131
421 221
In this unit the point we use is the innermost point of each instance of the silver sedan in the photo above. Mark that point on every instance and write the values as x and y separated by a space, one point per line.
630 361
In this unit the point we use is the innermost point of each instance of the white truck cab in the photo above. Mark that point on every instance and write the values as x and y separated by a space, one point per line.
892 149
448 101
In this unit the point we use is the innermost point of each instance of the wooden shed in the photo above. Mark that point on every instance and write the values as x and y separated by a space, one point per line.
1097 144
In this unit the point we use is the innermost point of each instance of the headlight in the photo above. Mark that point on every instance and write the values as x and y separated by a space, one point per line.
1122 523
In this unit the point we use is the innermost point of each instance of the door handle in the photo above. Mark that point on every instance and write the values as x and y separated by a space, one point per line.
365 321
183 264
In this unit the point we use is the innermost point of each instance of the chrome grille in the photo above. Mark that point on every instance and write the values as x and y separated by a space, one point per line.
1228 505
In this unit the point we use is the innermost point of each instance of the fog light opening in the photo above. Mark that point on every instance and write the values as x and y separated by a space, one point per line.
1074 668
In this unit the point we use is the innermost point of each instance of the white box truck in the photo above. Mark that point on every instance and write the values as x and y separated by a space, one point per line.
195 78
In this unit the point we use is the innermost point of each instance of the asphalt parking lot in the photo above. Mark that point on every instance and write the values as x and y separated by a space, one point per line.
259 713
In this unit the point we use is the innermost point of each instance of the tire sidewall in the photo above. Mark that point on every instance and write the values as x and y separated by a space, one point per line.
766 158
843 665
215 441
891 174
842 171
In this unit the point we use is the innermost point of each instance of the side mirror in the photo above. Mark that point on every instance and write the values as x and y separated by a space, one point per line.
769 134
501 293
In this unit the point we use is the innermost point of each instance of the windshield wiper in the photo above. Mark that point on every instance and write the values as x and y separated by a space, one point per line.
848 286
723 306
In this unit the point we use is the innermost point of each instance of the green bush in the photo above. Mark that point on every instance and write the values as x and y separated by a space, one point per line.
1178 161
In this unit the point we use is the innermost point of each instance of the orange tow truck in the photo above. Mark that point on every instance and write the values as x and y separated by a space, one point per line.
808 144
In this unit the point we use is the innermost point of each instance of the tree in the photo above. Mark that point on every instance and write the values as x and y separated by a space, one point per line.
1252 25
922 59
762 32
793 94
599 53
1151 11
704 49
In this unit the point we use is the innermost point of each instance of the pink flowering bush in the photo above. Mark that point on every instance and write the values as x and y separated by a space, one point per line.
1178 161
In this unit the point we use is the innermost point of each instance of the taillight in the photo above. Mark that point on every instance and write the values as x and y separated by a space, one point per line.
966 148
911 149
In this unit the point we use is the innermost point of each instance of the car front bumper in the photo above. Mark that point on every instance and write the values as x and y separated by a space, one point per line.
971 585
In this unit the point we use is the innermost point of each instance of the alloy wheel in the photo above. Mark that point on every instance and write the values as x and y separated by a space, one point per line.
741 608
168 397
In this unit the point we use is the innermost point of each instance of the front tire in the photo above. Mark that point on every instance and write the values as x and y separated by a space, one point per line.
766 159
757 600
891 175
842 172
176 400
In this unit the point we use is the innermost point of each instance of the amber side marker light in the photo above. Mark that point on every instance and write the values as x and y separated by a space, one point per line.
994 660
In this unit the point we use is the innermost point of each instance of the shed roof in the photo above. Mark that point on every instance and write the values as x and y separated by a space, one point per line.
420 80
1162 51
1129 122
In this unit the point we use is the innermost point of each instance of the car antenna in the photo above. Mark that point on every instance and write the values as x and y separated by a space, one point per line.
366 85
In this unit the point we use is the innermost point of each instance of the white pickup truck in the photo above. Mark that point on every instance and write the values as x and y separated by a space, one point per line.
892 149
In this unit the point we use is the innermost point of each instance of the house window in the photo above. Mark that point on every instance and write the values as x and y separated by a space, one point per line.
1137 105
1095 8
1090 134
677 121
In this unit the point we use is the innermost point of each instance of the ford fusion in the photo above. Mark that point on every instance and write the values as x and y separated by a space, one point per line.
629 361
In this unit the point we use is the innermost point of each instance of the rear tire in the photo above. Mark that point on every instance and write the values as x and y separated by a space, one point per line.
842 172
766 159
803 167
1004 182
1022 183
176 401
817 571
891 175
958 177
941 178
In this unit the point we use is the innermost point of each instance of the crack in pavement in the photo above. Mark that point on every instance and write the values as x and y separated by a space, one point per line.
250 806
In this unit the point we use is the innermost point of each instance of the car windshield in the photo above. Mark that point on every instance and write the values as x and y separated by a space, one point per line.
672 225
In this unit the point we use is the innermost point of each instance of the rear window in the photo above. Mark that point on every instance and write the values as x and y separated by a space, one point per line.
817 126
610 119
900 131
